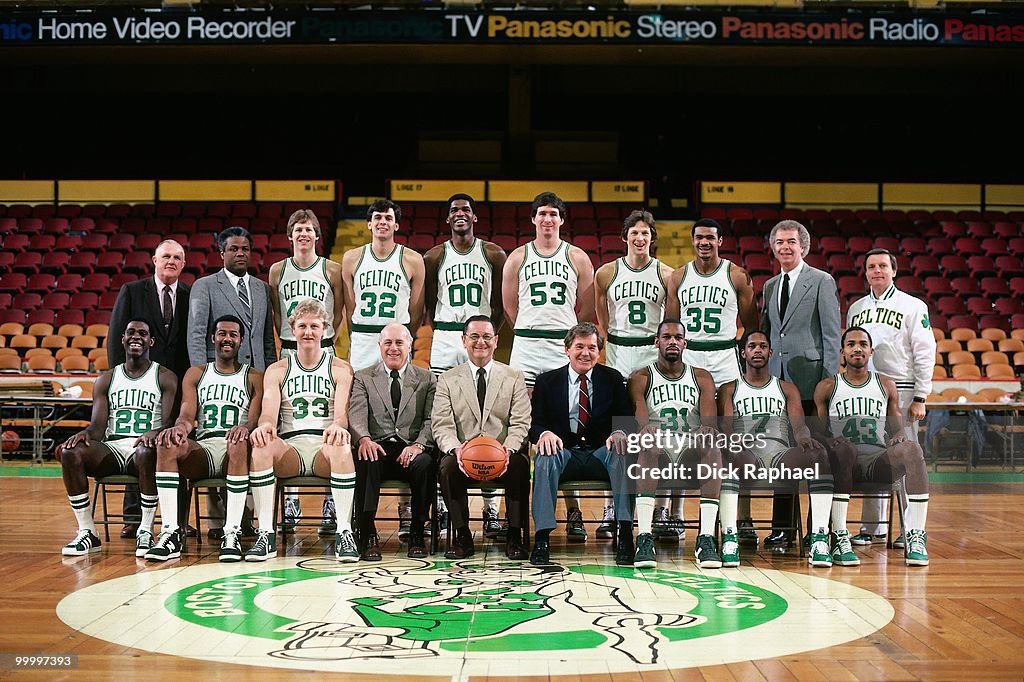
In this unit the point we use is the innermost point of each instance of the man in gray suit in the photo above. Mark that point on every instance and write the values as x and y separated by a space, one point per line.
389 419
801 318
232 291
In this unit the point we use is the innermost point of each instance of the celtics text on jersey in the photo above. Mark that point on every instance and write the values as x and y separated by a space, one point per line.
464 282
223 401
761 410
858 413
307 397
673 403
298 284
708 306
381 289
547 290
636 301
135 405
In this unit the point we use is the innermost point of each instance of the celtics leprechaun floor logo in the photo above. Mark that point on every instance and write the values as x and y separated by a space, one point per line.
437 617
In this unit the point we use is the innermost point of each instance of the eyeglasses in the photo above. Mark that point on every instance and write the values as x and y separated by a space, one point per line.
477 337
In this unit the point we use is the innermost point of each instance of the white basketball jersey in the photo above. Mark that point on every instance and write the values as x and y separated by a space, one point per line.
761 410
134 406
223 401
307 397
636 300
382 290
464 282
298 284
673 404
708 305
547 290
858 412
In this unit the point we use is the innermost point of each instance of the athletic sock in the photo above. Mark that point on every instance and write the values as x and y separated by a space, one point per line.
238 486
343 489
167 492
729 501
708 515
821 490
917 511
644 512
83 512
261 483
491 500
149 511
840 506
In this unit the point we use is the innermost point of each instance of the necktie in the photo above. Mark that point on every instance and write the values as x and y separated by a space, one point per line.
168 308
481 388
784 300
396 390
584 416
243 296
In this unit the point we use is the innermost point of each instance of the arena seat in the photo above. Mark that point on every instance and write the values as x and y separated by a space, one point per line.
996 321
27 262
951 305
41 283
1009 266
966 372
939 373
979 305
10 364
981 266
993 335
75 364
70 316
1008 306
1000 371
1010 346
925 266
82 262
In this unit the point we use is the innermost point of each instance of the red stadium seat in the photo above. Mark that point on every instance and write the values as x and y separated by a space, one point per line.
911 284
55 263
85 300
758 264
95 210
16 243
816 260
830 245
994 322
56 301
6 261
994 287
108 298
1009 306
69 283
70 316
968 214
184 225
953 266
97 317
19 211
27 301
82 263
134 225
979 229
752 244
55 226
940 247
69 211
110 262
914 246
981 266
68 243
41 284
951 305
82 224
840 264
860 244
97 283
40 316
965 286
13 282
953 228
1009 266
27 262
121 242
218 210
137 262
42 243
1006 230
937 286
713 212
28 226
967 246
168 209
851 284
1017 321
979 305
993 246
962 321
120 279
95 242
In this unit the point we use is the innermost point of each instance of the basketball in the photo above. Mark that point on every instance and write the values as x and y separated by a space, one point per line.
484 459
11 441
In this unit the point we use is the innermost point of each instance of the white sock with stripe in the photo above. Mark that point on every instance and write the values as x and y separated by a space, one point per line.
840 507
343 489
708 515
730 498
149 510
167 490
644 512
83 512
917 511
238 487
261 483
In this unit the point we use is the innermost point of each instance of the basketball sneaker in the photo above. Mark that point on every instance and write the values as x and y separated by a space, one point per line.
747 534
842 550
292 512
706 553
645 555
329 524
404 521
660 525
899 542
819 554
85 542
607 528
864 539
167 546
143 542
730 550
492 526
230 548
574 529
345 549
264 548
917 550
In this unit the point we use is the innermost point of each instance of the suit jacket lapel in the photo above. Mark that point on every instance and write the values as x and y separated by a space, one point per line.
231 294
157 305
409 384
803 285
381 382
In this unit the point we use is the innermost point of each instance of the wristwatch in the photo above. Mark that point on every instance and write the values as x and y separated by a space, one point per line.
919 399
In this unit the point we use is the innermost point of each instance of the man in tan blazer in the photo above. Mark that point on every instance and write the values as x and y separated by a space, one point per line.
482 397
389 419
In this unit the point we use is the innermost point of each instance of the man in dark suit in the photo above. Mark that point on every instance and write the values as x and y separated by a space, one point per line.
232 291
801 318
162 302
573 411
389 419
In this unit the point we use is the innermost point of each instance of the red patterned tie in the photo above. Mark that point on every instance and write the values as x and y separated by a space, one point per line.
584 416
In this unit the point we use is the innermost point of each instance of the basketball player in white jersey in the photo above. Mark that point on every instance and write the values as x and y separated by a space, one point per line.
630 302
225 397
463 279
860 405
131 402
673 398
904 351
383 284
546 288
765 407
306 275
303 431
544 284
708 294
